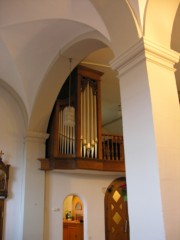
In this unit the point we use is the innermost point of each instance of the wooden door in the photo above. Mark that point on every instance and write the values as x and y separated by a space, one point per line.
1 217
116 211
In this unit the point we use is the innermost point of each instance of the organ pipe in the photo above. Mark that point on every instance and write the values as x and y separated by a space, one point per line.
89 121
86 126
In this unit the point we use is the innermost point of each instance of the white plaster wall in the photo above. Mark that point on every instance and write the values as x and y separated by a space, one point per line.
12 130
144 195
33 187
90 188
167 131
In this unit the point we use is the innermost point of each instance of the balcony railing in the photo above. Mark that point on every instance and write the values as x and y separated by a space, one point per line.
112 158
112 147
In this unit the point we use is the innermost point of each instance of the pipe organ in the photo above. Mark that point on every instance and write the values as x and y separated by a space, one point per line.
66 139
89 138
75 128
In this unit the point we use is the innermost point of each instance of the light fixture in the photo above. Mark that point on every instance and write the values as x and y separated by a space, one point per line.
69 111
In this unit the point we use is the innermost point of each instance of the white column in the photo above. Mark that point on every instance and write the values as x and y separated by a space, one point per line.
34 187
151 128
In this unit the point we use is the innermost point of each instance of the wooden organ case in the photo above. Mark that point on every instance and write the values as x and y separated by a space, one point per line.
75 126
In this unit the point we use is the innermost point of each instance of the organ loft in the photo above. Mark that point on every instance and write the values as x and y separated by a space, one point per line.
75 138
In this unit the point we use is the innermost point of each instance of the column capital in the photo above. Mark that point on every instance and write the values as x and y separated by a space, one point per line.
38 137
145 50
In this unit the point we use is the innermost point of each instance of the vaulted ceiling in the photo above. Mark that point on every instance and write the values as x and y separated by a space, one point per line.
99 60
36 39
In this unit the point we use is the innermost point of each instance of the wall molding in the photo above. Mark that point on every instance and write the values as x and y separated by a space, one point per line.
145 50
36 137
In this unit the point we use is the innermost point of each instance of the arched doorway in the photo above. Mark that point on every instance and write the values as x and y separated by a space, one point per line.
116 211
73 218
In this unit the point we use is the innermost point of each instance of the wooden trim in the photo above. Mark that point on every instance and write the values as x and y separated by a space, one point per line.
90 73
81 163
106 158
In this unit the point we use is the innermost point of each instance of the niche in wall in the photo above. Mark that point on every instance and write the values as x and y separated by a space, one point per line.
73 208
73 218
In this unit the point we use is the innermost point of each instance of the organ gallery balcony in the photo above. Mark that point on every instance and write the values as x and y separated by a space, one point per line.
112 158
76 140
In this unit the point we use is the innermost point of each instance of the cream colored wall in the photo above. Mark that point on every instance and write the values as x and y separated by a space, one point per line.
165 106
90 188
67 205
12 130
31 39
151 132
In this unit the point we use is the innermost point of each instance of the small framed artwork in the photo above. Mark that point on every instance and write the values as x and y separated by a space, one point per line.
4 176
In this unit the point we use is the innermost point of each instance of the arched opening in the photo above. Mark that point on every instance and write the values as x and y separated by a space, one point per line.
73 218
175 45
50 87
30 49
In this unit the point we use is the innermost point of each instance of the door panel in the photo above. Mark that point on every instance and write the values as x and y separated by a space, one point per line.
116 212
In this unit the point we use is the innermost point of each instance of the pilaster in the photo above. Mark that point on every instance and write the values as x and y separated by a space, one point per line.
151 128
145 50
34 186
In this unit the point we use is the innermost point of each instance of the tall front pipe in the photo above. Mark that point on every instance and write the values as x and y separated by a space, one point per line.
85 123
82 122
95 125
59 134
88 125
92 122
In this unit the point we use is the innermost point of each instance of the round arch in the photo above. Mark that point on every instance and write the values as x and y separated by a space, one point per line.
70 202
18 100
158 27
77 49
55 78
175 45
75 216
121 22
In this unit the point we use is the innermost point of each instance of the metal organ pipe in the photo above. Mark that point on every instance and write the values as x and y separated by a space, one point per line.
88 128
88 122
84 123
95 125
66 135
92 122
61 132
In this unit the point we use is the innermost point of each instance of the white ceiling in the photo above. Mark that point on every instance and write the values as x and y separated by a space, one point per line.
30 41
